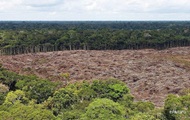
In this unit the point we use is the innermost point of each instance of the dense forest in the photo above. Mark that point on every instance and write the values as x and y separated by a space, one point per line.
30 37
33 98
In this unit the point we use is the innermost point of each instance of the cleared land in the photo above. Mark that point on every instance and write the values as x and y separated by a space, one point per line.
150 74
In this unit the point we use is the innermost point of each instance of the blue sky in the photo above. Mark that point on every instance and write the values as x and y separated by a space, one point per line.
64 10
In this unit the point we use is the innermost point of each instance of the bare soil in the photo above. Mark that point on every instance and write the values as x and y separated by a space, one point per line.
150 74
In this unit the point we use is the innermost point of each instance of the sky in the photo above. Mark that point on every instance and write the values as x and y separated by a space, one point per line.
94 10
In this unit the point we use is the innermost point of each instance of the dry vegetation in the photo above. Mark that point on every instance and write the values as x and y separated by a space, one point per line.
150 74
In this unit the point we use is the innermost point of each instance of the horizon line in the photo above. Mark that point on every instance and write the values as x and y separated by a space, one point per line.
95 20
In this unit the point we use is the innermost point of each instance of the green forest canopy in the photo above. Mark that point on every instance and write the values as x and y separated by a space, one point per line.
28 37
30 97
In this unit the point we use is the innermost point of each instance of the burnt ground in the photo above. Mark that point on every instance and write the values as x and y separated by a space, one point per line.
150 74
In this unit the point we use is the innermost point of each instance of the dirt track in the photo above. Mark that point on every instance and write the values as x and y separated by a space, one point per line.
150 74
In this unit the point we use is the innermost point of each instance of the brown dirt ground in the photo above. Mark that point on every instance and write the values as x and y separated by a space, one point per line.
150 74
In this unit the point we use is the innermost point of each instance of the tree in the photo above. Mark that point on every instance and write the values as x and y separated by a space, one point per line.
117 91
28 112
8 78
144 106
111 88
173 108
70 115
104 109
14 97
5 116
186 104
83 91
36 88
62 99
3 92
66 77
143 116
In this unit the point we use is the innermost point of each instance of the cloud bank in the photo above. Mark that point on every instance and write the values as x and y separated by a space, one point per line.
94 10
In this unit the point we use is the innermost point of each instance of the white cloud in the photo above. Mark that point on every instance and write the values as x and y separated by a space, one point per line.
42 3
9 4
95 9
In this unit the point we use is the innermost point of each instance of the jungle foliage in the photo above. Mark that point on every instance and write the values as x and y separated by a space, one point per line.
31 37
33 98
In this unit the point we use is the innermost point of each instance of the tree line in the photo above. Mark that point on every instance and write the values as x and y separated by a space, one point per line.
32 37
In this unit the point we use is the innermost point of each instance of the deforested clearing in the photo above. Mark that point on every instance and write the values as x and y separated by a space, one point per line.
150 74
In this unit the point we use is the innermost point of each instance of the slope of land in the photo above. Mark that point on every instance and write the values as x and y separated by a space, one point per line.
150 74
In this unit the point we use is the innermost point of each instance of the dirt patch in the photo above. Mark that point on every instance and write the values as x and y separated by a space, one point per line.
150 74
